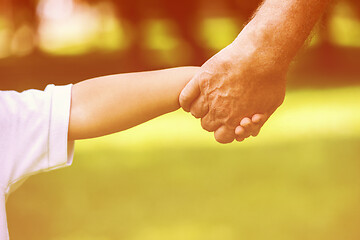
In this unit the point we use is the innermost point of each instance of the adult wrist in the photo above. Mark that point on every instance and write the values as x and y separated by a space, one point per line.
254 53
261 41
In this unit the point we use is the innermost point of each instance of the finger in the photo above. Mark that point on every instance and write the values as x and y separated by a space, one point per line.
239 131
209 124
190 92
259 120
245 122
256 131
239 139
248 127
199 108
224 135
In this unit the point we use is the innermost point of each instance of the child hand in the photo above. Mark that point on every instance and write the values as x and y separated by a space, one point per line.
250 127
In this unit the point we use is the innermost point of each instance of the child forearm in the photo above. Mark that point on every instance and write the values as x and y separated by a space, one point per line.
109 104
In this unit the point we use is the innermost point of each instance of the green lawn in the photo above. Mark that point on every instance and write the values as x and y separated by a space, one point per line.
169 180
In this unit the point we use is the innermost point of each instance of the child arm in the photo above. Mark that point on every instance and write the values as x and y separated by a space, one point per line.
109 104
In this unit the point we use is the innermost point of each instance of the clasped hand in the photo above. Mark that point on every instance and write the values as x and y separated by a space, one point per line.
234 93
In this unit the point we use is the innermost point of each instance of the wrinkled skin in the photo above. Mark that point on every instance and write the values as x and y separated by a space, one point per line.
232 85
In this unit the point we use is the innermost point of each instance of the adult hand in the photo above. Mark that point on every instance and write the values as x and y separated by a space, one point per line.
234 84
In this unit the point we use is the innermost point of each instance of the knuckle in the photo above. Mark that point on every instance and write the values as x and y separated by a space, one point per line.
195 113
219 139
224 137
203 80
223 140
207 125
183 102
196 109
182 96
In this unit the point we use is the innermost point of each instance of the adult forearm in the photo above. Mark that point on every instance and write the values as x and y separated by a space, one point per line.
109 104
248 76
279 29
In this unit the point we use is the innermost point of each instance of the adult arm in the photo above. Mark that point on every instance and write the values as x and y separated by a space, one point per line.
109 104
248 76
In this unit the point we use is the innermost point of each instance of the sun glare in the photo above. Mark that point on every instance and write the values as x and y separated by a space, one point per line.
69 28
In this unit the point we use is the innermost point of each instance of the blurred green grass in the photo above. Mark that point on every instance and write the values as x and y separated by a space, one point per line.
168 179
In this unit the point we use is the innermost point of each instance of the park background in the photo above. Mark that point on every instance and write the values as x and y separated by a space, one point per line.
169 179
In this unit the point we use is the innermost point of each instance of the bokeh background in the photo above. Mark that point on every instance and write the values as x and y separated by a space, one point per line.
168 179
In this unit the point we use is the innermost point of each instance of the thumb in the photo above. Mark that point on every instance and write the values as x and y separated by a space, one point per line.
190 92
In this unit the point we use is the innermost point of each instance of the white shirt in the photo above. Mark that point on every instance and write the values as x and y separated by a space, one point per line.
33 137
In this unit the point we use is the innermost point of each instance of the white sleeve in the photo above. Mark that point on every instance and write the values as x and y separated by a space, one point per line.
34 131
3 223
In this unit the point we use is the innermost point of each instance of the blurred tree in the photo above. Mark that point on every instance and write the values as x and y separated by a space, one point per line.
330 56
136 12
21 14
186 15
